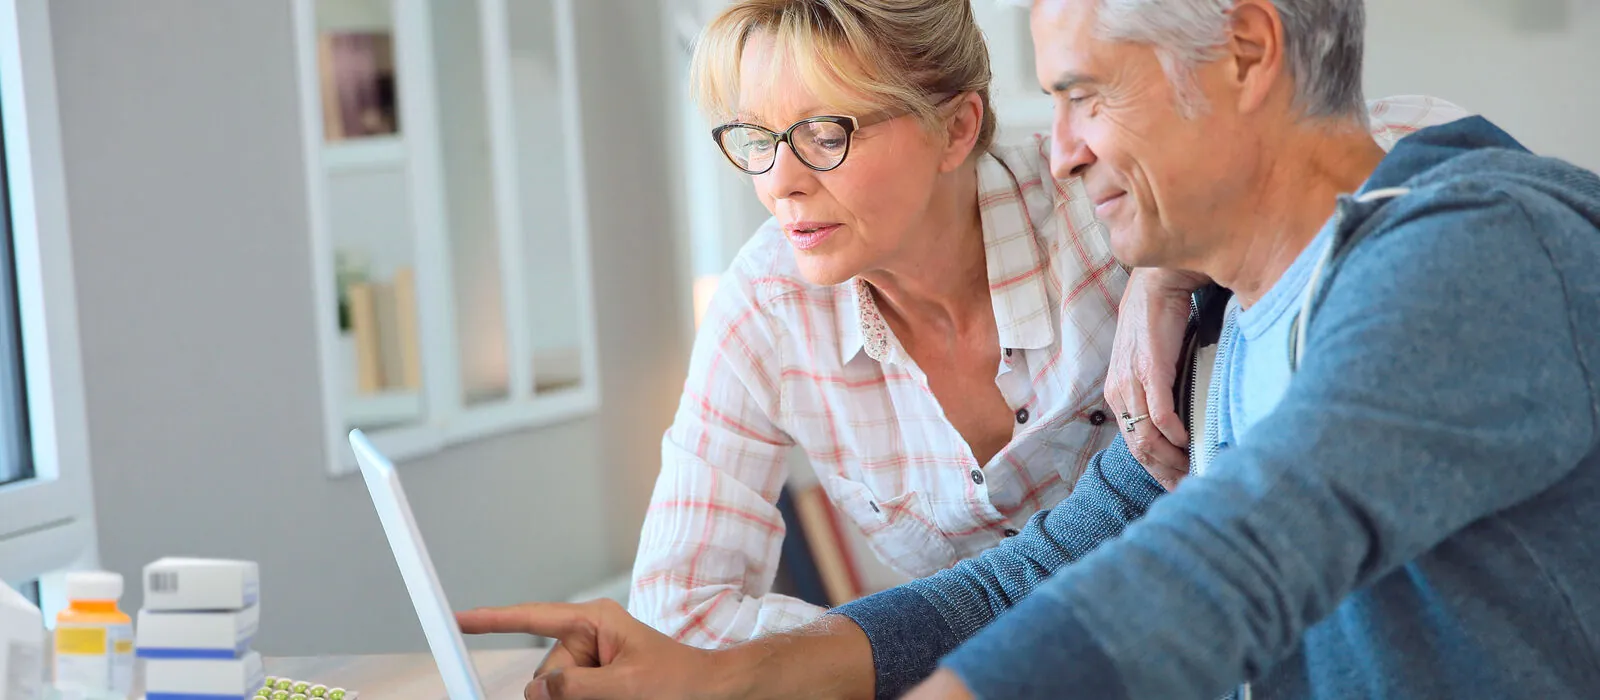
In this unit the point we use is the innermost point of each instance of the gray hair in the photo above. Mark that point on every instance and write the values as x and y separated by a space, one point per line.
1322 40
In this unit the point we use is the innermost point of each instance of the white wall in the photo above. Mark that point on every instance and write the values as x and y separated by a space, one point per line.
1529 65
189 223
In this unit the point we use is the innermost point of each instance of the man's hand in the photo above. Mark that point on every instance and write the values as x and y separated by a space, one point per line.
944 684
1144 367
602 653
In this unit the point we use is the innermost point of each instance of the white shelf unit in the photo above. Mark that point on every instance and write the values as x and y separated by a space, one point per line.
479 192
370 153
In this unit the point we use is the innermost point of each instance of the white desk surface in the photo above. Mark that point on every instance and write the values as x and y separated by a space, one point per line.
410 676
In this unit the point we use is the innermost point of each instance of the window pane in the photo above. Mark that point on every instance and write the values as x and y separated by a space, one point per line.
16 453
466 144
29 590
555 301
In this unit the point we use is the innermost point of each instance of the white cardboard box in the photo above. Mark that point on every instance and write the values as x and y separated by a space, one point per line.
176 584
224 634
223 678
22 642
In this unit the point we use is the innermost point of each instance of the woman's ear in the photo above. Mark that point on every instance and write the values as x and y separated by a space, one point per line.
963 123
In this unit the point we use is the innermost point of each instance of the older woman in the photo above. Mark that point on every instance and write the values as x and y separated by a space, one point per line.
927 315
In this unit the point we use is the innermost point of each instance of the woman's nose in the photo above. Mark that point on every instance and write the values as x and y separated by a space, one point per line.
788 177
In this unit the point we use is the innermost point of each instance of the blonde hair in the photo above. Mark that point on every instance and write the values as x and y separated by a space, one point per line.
870 56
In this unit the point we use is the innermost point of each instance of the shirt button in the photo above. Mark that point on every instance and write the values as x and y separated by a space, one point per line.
874 505
977 477
1097 418
1022 415
1012 532
1008 352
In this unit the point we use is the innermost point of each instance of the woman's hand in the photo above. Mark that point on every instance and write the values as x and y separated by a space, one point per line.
1144 367
602 653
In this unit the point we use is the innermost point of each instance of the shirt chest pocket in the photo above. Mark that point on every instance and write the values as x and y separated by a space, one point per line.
900 530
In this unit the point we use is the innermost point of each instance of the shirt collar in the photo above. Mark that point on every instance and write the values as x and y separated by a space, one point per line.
1016 277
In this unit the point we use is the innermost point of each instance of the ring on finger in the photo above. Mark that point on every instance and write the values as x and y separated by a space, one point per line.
1129 421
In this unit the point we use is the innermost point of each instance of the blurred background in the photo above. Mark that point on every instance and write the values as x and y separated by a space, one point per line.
476 229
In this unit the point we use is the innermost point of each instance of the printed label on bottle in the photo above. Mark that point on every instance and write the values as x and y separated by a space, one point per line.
120 640
83 657
80 641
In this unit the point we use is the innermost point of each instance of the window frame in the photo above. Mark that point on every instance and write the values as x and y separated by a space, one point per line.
16 437
47 523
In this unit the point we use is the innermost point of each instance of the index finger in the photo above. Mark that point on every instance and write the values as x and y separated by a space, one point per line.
556 620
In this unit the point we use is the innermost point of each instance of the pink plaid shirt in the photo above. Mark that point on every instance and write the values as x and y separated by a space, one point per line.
780 362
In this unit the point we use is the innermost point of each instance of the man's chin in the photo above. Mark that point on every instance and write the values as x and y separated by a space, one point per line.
1133 249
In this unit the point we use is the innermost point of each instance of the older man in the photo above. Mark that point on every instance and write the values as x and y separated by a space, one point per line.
1402 475
1413 516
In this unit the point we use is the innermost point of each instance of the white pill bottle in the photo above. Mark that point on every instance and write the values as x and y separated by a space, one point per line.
94 639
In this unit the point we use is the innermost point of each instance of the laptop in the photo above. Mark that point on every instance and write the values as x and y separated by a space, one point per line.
427 596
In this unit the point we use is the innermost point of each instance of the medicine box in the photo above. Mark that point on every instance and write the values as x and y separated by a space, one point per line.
224 634
22 642
176 584
214 679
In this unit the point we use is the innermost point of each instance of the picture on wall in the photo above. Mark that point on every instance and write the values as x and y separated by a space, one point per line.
358 85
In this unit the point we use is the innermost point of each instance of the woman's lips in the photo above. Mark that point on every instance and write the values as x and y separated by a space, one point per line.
806 236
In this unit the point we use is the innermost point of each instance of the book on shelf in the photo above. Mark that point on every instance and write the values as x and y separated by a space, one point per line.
368 341
383 298
383 326
409 349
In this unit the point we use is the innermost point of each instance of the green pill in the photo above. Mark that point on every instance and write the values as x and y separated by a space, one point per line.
319 691
283 684
336 694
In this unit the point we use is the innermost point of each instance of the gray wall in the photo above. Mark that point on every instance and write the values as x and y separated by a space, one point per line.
1529 65
187 200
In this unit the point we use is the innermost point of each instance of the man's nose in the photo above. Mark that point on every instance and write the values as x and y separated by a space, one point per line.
1069 156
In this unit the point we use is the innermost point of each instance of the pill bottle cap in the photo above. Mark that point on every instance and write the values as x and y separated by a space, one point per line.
94 585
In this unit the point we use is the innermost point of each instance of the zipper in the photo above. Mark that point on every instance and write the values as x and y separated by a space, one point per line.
1205 361
1207 314
1195 409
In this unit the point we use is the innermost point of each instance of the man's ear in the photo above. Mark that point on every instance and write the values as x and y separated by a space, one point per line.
962 127
1255 52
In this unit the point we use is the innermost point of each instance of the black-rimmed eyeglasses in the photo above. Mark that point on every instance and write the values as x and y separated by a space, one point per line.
821 143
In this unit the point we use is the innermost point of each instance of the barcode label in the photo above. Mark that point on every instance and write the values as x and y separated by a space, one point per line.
163 582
